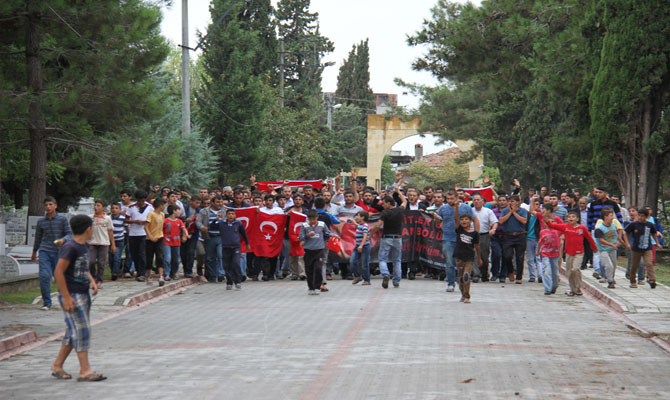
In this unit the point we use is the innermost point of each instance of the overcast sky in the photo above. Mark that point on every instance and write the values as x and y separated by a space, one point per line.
346 22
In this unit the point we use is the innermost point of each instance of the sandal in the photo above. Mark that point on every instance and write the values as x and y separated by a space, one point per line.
579 294
569 294
92 377
61 374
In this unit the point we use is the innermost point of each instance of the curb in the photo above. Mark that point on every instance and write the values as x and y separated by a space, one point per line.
139 298
599 295
17 340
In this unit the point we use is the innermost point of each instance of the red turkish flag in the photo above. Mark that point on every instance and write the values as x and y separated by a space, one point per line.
276 185
268 234
296 220
248 217
486 192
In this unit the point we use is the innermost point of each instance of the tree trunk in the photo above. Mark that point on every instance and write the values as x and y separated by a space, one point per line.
645 133
38 150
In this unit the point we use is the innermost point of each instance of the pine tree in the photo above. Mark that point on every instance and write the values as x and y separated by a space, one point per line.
304 49
353 81
86 80
629 97
235 96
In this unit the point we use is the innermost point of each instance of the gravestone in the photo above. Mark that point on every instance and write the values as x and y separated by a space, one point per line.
9 268
32 227
15 227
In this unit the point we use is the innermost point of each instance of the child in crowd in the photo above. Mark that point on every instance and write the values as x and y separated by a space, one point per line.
642 232
101 239
74 280
232 231
632 212
549 247
119 228
532 237
361 250
574 249
607 237
154 231
467 242
313 236
173 229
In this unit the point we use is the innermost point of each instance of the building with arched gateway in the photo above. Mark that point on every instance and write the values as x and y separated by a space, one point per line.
385 131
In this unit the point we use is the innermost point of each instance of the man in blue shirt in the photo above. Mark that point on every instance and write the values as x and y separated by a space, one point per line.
513 220
51 232
446 214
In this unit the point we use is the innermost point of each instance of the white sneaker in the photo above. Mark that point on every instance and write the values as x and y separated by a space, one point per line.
310 292
238 286
45 308
450 288
161 281
317 292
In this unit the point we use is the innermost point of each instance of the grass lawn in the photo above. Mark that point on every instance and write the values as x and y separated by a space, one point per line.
662 268
23 297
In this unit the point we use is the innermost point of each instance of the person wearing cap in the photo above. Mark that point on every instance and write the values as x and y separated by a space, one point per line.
601 201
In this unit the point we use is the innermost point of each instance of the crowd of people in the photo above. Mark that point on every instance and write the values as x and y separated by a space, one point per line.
157 232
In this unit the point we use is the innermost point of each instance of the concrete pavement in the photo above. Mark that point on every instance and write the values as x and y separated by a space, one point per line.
646 308
114 296
272 341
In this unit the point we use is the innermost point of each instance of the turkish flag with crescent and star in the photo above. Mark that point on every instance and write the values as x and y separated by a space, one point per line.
248 217
486 192
296 220
268 234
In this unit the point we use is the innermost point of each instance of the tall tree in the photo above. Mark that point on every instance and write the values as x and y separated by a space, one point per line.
304 48
630 97
235 97
83 76
353 81
511 73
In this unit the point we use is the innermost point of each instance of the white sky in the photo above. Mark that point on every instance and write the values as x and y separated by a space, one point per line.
346 22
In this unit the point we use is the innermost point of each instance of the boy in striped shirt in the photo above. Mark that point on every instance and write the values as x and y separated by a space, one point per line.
119 227
361 250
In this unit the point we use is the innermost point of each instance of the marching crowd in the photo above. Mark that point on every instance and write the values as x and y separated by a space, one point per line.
484 239
488 236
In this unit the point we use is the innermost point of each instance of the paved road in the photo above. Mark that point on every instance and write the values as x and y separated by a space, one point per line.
273 341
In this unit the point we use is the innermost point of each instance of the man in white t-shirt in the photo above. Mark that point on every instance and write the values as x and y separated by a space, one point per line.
488 223
136 215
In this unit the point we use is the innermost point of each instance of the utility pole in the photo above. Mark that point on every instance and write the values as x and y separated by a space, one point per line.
281 73
329 107
185 73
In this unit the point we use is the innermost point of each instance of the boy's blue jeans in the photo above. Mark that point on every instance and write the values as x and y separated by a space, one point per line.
47 261
364 258
550 275
115 257
171 260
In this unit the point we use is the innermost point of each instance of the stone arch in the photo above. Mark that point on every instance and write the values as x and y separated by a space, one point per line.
383 133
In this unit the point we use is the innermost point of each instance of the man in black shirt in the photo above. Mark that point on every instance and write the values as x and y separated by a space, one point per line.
391 243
